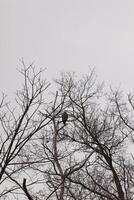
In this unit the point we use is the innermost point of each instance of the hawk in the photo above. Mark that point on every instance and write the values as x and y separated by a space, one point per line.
64 118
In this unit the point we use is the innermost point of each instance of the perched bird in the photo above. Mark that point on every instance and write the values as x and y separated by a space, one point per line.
64 117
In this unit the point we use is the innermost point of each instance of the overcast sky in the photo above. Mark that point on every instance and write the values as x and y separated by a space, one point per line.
68 35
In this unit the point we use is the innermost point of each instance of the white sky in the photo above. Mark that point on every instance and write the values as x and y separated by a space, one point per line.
68 35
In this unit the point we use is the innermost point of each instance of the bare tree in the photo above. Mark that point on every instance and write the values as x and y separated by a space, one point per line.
94 160
104 131
86 159
19 126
